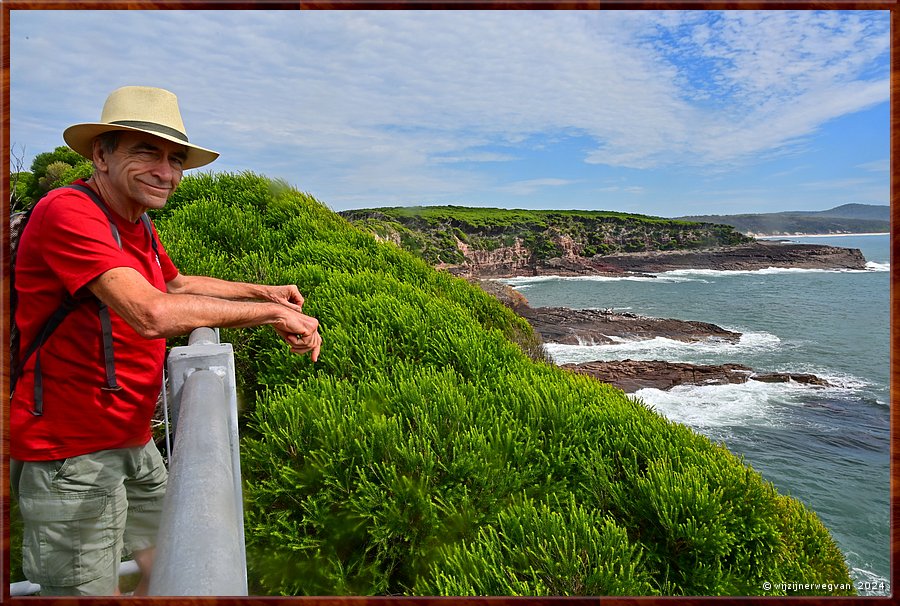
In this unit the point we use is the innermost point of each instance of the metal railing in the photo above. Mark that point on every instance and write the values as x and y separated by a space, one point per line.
200 546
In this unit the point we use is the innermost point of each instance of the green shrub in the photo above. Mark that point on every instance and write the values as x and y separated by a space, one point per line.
426 453
541 550
82 170
47 167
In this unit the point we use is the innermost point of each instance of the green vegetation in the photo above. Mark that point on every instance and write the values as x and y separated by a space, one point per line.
425 453
48 170
433 232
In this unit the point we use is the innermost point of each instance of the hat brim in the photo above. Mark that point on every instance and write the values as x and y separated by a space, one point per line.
80 137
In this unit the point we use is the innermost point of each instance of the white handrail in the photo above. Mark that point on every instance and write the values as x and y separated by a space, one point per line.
200 547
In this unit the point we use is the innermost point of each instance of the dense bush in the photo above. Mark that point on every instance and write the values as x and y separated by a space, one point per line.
426 454
48 171
48 167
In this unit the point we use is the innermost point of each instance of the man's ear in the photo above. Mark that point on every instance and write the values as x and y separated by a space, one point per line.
98 155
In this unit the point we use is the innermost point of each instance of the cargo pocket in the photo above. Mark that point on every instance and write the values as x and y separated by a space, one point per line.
68 538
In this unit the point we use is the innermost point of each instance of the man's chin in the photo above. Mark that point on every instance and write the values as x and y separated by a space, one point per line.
155 197
155 202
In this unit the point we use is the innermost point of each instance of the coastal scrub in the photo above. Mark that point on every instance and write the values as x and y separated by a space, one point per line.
426 454
449 234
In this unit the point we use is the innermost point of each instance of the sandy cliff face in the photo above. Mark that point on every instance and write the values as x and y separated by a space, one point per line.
520 260
506 260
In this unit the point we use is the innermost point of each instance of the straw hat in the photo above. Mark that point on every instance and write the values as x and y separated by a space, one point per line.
142 109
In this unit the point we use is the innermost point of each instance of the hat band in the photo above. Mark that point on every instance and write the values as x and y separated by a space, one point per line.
152 126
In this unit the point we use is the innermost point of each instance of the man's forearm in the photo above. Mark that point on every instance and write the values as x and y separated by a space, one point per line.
179 314
214 287
155 314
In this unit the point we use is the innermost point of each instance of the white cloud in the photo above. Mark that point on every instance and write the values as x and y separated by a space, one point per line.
852 184
523 188
361 105
474 157
878 166
626 189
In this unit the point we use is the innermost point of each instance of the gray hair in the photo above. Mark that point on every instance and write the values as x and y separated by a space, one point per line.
109 141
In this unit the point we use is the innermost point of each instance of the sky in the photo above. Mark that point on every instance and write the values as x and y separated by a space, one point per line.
666 113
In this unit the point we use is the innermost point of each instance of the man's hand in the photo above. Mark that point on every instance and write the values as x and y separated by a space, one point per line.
287 294
304 336
301 332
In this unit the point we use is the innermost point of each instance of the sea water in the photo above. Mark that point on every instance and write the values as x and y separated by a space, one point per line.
828 447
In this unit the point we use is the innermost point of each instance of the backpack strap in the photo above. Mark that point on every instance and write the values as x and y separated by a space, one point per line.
145 219
109 355
68 304
55 320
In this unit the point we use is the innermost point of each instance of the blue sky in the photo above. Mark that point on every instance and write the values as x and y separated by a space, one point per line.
658 112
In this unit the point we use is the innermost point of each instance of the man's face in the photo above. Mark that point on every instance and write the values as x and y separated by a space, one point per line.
144 170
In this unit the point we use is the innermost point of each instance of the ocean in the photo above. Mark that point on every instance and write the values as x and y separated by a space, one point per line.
828 447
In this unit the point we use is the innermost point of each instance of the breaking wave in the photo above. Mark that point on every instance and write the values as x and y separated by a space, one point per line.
661 348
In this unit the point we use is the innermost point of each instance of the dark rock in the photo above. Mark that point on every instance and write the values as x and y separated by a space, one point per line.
753 256
632 375
504 293
760 254
594 326
780 377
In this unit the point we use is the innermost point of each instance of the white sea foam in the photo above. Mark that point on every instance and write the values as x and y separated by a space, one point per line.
677 276
709 408
838 381
661 348
874 266
669 277
519 280
766 271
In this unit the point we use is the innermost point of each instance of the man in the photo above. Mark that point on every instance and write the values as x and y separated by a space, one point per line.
87 475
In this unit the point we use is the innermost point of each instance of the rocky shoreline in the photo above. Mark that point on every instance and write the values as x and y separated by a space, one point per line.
599 327
753 256
760 254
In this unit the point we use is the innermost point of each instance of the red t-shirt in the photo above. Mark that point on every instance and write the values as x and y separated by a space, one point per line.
66 244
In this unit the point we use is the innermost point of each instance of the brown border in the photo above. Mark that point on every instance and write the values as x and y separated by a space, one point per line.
8 5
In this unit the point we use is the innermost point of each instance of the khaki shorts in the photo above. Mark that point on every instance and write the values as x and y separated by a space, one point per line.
80 514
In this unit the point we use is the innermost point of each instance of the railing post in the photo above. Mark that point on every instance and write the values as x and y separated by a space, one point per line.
200 548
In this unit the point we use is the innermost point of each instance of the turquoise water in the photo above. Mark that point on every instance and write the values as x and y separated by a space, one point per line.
828 447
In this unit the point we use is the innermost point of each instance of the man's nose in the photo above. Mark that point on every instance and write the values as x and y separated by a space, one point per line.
164 167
